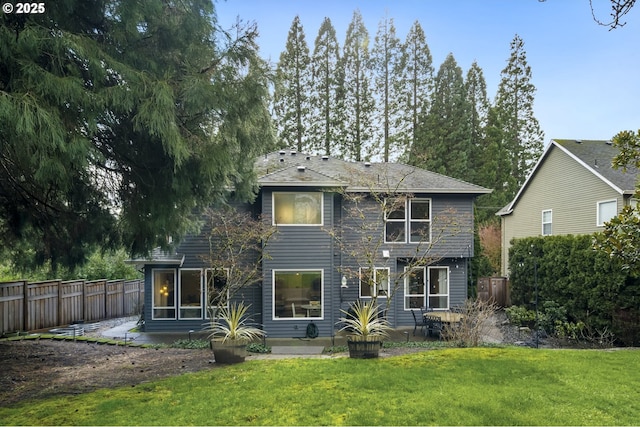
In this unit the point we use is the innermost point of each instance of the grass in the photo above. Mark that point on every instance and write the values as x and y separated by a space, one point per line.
474 386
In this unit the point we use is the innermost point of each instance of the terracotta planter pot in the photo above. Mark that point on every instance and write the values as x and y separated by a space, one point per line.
364 349
228 352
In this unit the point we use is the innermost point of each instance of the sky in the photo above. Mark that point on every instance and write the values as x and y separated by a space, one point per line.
586 76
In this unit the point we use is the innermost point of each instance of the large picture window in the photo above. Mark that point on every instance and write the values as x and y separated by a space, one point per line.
164 294
416 225
374 282
297 293
291 208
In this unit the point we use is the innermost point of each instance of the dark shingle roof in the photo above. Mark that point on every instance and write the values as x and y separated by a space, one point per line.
291 168
598 156
594 155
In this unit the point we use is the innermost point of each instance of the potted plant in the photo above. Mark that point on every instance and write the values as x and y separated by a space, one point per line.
367 328
230 333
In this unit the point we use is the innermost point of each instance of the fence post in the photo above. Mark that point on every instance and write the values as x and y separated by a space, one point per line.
25 292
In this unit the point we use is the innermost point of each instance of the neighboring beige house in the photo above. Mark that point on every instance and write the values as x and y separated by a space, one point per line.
573 189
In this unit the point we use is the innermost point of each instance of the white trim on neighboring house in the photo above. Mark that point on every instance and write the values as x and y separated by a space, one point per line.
507 210
548 222
599 221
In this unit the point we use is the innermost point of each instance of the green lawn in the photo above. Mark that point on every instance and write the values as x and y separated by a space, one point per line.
479 386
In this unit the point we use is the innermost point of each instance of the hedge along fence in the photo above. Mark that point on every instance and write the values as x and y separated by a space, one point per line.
32 306
592 287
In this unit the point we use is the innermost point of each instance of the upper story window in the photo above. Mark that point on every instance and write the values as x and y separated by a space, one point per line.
606 210
297 208
409 218
547 222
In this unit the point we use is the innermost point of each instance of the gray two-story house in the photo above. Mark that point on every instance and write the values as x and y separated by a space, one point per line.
345 231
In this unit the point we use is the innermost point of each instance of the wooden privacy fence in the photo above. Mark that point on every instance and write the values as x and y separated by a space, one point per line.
32 306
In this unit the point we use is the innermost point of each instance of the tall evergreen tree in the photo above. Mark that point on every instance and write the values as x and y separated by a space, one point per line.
476 89
291 95
444 135
326 97
117 118
524 139
358 98
415 86
385 60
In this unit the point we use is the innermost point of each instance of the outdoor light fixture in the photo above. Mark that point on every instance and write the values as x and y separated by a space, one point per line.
343 283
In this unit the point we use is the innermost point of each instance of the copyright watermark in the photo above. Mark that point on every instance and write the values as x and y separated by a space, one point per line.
23 8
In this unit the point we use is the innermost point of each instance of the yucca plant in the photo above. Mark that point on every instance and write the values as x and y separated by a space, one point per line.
364 322
231 324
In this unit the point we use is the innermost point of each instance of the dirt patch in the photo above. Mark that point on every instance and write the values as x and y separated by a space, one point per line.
34 369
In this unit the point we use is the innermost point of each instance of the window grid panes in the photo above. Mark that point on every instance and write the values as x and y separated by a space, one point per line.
438 288
164 294
376 284
414 289
547 223
408 218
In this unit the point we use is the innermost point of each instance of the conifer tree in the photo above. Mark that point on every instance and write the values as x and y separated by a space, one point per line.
523 138
415 86
326 96
291 95
385 60
358 98
444 134
117 118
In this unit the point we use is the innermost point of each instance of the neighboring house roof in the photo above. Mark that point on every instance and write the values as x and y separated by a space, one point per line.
159 257
290 168
596 156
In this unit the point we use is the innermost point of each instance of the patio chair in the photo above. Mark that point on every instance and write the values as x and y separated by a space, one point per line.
293 310
419 320
434 324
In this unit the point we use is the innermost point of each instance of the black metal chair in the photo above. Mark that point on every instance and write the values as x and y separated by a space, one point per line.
434 324
418 320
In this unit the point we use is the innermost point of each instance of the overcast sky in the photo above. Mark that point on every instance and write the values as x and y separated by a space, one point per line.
586 76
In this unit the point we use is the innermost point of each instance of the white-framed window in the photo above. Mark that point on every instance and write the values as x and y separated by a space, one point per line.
547 221
297 208
607 209
427 287
411 218
438 288
216 283
415 289
298 294
374 283
164 293
190 293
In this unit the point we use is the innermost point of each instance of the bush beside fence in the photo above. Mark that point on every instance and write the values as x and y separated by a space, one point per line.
31 306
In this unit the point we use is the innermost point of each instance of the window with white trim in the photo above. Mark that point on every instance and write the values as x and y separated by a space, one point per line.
297 294
408 218
438 288
606 210
376 284
414 289
297 208
547 221
164 293
190 286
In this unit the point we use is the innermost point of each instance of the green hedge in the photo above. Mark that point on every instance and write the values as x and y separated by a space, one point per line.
592 287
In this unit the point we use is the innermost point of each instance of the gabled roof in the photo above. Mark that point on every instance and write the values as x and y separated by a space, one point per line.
290 168
596 156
